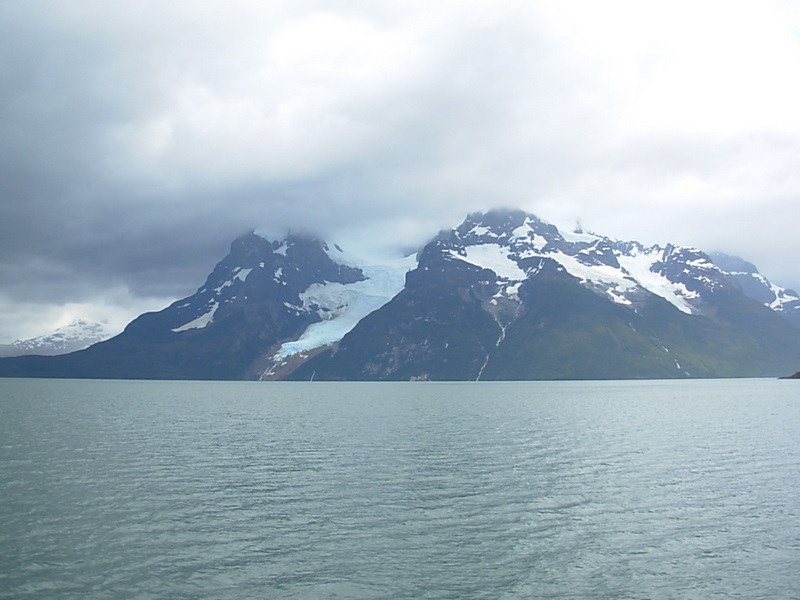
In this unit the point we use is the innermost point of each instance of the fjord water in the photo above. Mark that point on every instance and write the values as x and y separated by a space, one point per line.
656 489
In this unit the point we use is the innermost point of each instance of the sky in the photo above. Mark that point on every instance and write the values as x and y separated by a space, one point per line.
140 138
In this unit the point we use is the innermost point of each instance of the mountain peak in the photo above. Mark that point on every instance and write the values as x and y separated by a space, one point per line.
513 243
754 285
503 295
76 335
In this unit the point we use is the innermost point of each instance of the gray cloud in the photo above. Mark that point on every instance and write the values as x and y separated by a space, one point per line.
140 138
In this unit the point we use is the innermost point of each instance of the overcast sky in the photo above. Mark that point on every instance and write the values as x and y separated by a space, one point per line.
139 138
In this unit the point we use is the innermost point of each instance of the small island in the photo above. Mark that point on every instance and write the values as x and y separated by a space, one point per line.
795 376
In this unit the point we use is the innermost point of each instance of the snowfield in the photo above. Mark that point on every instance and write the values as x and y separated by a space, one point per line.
639 267
619 284
342 306
201 321
493 257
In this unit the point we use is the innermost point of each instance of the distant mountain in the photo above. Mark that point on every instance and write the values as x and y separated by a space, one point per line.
502 296
754 285
77 335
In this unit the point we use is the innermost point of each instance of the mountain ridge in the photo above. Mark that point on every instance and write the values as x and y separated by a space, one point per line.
504 295
627 303
76 335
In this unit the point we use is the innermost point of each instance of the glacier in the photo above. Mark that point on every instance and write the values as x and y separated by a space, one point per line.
342 306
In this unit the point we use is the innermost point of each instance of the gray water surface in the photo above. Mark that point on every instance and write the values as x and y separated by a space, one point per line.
590 490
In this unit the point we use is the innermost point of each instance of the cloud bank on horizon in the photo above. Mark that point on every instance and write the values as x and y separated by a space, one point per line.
139 138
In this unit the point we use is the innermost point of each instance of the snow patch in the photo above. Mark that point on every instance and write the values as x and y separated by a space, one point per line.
782 297
239 274
639 267
510 291
480 230
702 263
577 237
614 282
242 274
493 257
201 321
523 231
618 296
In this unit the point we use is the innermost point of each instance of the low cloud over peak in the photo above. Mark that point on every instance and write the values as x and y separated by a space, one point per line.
140 138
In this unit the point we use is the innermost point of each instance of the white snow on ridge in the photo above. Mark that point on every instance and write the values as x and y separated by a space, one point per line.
639 265
616 284
782 297
222 286
481 230
242 274
538 242
524 235
579 236
201 321
348 303
494 257
614 281
702 263
77 335
635 272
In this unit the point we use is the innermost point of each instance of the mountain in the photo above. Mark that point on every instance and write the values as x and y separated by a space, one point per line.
261 295
508 296
754 285
503 296
77 335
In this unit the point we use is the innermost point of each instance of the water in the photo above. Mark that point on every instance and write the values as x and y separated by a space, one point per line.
648 490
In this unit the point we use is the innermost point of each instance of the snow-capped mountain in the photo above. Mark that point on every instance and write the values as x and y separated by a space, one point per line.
77 335
754 285
502 296
265 307
269 304
516 245
507 296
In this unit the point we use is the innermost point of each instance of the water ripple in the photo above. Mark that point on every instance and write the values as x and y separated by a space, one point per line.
585 490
